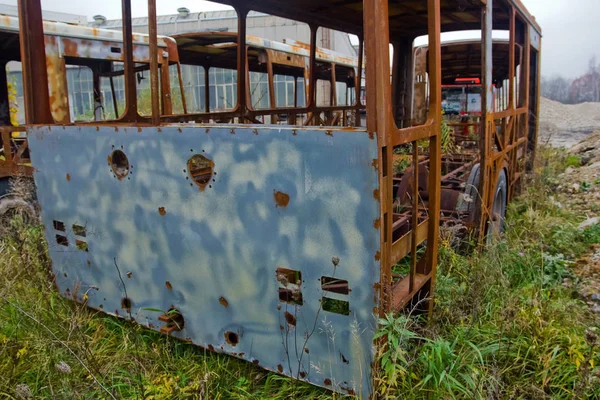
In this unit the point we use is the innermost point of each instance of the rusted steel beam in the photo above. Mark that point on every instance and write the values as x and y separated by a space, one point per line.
131 111
153 39
376 30
358 82
435 146
511 58
487 123
242 62
182 89
33 61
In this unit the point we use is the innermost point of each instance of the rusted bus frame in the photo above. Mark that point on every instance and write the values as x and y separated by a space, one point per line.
513 121
380 121
14 162
274 49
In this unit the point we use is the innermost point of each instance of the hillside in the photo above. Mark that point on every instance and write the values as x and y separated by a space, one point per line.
564 124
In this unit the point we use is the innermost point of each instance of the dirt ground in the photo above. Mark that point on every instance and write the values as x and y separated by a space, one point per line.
582 188
565 125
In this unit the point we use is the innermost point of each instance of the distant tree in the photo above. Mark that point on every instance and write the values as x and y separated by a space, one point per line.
587 87
557 88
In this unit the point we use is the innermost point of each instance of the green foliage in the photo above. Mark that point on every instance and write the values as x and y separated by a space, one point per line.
504 325
572 160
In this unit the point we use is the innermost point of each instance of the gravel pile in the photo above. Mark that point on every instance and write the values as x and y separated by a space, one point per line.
565 124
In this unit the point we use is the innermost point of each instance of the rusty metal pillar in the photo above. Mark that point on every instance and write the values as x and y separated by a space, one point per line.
358 84
486 114
154 87
435 145
33 61
242 62
130 113
379 122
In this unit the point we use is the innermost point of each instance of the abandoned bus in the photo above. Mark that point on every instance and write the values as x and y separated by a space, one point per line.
277 244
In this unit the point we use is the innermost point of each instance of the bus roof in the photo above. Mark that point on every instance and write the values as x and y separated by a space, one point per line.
406 15
51 28
194 44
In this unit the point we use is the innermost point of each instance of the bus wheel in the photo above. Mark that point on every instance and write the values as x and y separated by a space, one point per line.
498 212
13 208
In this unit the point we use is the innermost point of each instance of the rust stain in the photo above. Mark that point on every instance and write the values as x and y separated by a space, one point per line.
371 135
89 264
302 374
329 133
376 194
255 131
109 159
327 382
68 178
280 368
291 320
232 132
375 163
294 132
211 347
255 362
101 306
281 199
168 285
377 256
377 223
116 129
162 211
139 128
207 131
129 274
223 302
306 350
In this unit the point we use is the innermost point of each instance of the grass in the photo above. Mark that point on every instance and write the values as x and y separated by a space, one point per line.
504 326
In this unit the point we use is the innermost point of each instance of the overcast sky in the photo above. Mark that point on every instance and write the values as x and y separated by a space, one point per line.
571 28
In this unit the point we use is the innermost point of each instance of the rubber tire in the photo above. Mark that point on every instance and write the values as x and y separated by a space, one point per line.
495 226
471 191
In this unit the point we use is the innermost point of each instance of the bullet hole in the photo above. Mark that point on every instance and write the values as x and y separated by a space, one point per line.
306 350
129 274
168 285
200 170
119 164
223 302
291 320
232 338
281 199
327 382
162 211
68 177
126 303
344 360
302 374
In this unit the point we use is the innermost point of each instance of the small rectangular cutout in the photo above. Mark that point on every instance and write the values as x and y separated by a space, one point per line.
334 285
59 226
79 230
115 49
290 296
81 245
62 240
290 286
335 306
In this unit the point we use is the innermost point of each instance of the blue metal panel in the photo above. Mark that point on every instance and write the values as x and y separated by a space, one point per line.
213 254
